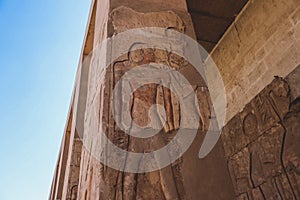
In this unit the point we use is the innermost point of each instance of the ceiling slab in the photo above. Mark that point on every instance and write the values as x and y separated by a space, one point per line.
212 18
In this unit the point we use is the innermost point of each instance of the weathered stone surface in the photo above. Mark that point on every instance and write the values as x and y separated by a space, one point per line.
233 136
291 152
258 155
293 80
124 18
260 44
72 184
169 182
262 145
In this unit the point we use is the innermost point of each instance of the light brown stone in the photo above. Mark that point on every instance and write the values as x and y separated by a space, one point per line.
258 155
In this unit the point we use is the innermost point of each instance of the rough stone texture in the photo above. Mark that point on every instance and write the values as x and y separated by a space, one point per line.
181 180
261 144
124 18
60 172
258 156
71 186
262 42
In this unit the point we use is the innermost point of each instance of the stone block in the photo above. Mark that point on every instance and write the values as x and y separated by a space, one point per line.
257 72
295 16
297 31
293 80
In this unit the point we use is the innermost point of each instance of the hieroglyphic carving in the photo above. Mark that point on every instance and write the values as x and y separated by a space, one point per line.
262 145
291 153
233 137
124 18
239 167
74 169
167 183
111 184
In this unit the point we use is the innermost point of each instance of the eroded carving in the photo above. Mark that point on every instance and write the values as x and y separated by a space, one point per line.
124 18
262 145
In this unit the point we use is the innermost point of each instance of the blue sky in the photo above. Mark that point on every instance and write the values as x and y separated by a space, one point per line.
40 43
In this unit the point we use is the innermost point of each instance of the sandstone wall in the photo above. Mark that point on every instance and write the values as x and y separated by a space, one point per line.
261 143
261 138
258 156
188 177
263 42
61 167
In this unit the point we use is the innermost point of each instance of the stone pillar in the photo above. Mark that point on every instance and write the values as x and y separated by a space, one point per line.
60 172
188 177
